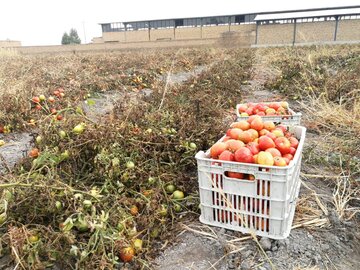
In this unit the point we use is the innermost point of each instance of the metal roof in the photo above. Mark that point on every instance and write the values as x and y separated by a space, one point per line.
308 14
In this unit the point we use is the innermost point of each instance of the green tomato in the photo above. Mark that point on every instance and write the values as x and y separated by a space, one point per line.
62 134
33 238
65 155
151 180
130 165
154 232
177 208
87 204
78 129
82 225
58 205
78 196
38 139
163 211
178 195
170 188
192 146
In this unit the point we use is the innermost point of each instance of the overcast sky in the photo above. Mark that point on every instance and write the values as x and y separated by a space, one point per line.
43 22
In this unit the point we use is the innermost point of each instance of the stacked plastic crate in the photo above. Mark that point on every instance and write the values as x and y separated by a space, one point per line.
264 201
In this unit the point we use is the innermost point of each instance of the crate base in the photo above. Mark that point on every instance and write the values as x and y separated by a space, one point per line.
287 222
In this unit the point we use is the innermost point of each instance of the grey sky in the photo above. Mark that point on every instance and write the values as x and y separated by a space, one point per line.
43 22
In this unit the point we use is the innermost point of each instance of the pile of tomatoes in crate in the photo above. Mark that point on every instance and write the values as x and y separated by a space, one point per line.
264 109
258 142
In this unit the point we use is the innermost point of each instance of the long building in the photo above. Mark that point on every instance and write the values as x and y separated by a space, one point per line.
9 43
339 24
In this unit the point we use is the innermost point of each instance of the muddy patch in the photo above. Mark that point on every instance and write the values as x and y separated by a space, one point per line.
101 106
192 252
16 147
181 77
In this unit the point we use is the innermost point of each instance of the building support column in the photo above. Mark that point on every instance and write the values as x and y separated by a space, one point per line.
294 36
257 32
336 27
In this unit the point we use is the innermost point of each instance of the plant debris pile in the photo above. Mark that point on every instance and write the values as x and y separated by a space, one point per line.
92 195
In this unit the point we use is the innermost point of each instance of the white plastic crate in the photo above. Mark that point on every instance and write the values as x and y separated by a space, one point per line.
292 119
265 205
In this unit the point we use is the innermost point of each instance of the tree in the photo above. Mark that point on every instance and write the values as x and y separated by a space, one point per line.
65 39
71 38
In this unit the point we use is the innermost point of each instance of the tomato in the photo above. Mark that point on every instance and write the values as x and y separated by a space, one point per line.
266 142
130 165
234 133
127 254
283 145
265 158
244 155
42 98
178 195
280 161
274 152
227 156
245 136
36 99
170 188
269 125
34 153
243 125
134 210
138 244
78 129
217 149
234 145
257 124
33 238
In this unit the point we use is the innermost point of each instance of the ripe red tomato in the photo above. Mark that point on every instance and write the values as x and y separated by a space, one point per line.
34 153
245 136
127 254
235 175
243 125
244 155
227 156
134 210
217 149
266 142
254 147
283 145
294 142
36 99
234 145
234 133
257 124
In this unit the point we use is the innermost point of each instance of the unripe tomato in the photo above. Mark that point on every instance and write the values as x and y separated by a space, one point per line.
130 165
33 238
170 188
178 195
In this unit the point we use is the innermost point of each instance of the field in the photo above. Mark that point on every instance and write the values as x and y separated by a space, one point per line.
127 125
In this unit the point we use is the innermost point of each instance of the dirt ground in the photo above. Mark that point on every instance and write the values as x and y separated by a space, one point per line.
333 245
